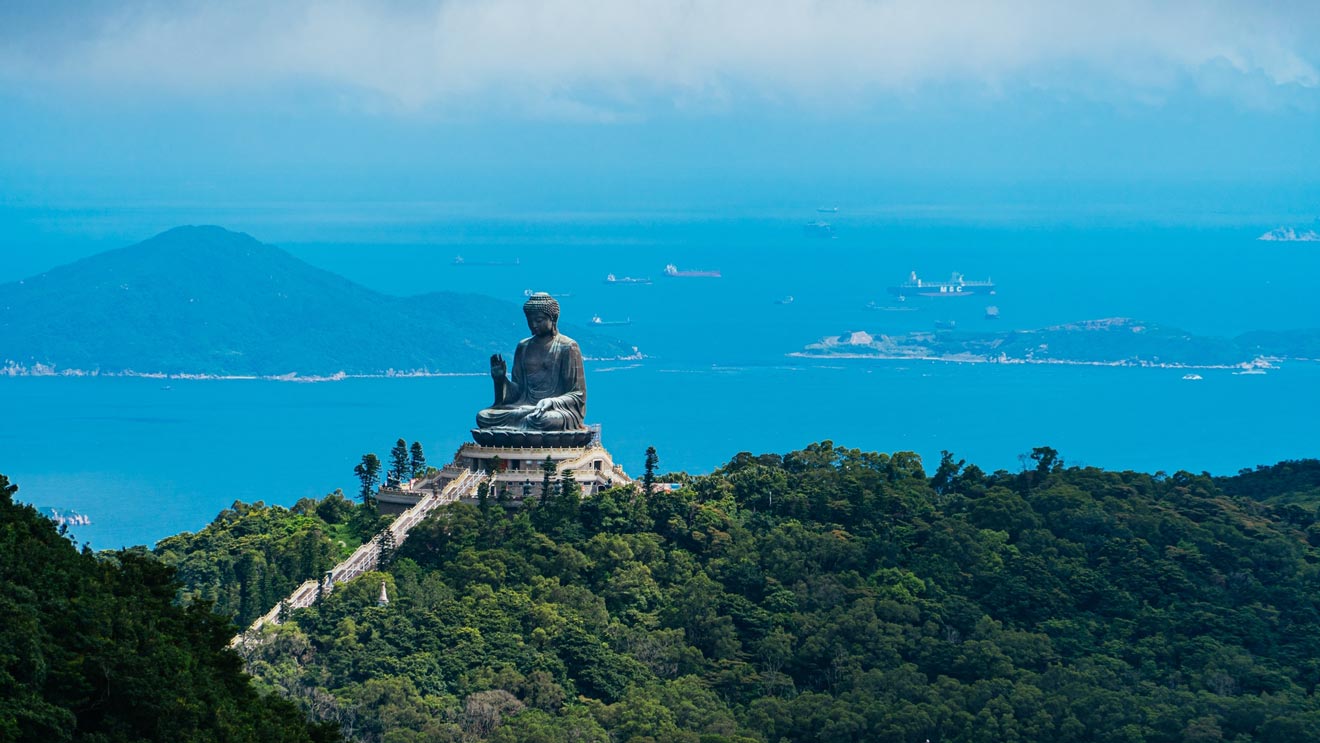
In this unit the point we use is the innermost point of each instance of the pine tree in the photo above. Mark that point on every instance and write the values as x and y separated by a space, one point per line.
570 491
418 460
547 471
648 478
568 500
388 548
368 472
399 468
483 497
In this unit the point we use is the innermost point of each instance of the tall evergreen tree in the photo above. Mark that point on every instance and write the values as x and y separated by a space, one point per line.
648 479
483 497
368 473
570 490
388 547
567 501
399 468
418 462
547 473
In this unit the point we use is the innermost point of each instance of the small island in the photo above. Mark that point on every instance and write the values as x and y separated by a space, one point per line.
1116 341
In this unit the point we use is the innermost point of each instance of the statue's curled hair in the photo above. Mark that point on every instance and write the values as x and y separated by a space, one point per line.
542 302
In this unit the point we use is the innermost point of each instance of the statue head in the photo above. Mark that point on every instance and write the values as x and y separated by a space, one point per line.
542 313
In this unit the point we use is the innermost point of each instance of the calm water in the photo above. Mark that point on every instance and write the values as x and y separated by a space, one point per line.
147 458
146 462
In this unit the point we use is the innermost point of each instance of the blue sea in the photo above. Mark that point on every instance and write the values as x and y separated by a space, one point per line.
147 458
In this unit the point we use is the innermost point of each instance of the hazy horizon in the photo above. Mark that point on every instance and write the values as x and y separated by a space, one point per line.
1196 109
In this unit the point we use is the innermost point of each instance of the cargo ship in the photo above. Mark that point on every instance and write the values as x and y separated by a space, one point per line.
956 286
595 320
612 279
459 261
672 270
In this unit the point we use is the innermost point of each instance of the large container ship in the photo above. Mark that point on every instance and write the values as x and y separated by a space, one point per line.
956 286
672 270
612 279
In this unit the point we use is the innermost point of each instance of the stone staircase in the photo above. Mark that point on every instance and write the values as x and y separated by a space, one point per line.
367 557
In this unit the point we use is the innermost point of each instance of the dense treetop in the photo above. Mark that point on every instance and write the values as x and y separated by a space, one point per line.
831 594
95 648
252 556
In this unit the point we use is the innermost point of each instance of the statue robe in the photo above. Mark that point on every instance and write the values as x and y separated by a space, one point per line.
559 379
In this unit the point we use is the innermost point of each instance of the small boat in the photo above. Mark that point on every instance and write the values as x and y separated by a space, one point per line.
889 308
1192 377
595 320
828 209
945 324
612 279
785 300
992 312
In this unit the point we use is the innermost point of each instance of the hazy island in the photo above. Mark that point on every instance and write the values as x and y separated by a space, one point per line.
1110 342
205 302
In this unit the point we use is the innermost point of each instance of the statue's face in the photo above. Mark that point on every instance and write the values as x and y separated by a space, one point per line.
540 324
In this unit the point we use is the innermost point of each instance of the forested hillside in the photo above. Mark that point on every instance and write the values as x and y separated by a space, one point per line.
94 648
252 556
831 594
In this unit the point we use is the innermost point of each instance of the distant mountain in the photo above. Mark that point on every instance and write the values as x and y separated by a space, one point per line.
205 300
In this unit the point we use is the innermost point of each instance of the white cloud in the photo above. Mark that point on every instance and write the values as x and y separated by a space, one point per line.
584 55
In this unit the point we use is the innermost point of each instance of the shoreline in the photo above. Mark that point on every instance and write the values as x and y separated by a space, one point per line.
190 376
41 370
1261 363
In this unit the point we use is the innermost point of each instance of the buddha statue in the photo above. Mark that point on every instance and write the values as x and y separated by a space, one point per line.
544 401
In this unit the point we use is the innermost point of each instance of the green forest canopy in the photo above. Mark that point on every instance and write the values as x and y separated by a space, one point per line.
831 594
95 648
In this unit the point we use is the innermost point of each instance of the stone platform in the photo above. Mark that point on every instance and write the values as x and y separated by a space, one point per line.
517 472
519 439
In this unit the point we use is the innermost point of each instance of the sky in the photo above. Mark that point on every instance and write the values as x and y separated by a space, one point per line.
607 104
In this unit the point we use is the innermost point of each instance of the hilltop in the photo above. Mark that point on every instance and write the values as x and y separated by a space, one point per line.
208 301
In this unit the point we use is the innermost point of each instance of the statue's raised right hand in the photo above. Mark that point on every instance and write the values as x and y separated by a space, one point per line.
497 367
